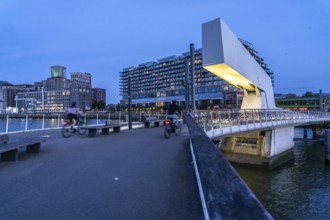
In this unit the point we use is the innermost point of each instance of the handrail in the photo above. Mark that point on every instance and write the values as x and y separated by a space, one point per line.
223 193
30 122
228 121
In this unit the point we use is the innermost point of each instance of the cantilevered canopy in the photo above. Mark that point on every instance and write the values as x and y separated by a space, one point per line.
232 76
226 57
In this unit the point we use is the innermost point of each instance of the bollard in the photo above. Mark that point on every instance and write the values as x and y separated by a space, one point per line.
327 145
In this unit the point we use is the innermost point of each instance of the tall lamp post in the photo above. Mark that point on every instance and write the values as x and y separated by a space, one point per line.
129 103
192 72
187 104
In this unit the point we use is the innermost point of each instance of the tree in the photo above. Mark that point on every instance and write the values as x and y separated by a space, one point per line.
291 96
98 105
309 94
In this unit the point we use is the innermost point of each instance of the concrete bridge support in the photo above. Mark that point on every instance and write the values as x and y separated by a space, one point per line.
327 145
269 148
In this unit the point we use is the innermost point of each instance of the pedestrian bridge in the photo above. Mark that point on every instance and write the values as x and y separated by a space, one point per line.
218 124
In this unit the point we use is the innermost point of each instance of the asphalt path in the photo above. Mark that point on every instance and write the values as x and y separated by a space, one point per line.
135 174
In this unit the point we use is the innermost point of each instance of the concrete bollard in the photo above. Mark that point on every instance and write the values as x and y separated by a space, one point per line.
327 145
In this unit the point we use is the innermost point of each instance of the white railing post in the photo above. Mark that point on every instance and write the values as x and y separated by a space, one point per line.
97 118
212 127
229 120
239 119
43 122
58 120
220 124
26 122
7 123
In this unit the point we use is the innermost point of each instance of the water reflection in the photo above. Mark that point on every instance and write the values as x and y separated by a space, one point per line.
297 190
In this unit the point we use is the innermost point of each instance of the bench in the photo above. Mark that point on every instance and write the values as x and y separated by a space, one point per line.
9 149
105 129
149 120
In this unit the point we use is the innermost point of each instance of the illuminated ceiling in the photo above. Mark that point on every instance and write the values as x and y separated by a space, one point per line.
232 76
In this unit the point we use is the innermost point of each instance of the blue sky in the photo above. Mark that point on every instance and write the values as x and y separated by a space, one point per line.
102 37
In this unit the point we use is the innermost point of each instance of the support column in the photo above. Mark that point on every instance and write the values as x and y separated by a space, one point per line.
314 131
327 145
305 133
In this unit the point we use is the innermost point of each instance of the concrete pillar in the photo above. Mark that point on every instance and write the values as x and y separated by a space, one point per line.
305 133
314 133
327 145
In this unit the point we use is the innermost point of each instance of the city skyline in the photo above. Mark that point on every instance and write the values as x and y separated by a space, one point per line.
105 37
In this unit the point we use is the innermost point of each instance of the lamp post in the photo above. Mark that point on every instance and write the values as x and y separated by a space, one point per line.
129 103
42 99
192 72
187 104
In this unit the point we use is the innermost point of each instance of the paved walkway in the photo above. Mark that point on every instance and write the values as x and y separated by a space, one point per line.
136 174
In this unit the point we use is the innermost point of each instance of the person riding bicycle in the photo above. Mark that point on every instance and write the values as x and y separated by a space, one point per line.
74 113
171 112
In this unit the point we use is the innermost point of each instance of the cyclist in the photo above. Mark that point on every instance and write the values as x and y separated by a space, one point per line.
74 113
171 112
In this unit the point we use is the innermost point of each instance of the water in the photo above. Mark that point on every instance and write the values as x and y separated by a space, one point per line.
297 190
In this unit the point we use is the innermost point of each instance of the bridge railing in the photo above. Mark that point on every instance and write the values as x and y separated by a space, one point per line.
210 120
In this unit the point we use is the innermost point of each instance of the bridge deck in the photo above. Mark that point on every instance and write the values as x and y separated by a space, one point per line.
135 174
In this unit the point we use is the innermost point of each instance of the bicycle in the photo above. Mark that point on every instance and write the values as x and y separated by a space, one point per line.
69 128
171 128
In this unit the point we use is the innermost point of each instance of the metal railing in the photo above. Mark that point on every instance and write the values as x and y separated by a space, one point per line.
217 123
29 122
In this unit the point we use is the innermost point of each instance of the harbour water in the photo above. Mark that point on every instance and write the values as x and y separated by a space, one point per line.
298 190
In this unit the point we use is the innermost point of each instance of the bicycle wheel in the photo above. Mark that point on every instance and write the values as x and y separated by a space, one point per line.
167 132
81 128
178 129
66 130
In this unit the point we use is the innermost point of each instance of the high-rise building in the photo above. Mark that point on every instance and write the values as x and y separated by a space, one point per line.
58 80
156 84
81 89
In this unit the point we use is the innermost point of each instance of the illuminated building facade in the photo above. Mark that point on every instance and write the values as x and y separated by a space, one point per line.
8 92
44 101
156 84
49 96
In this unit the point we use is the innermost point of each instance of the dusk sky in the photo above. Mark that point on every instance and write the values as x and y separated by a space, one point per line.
102 37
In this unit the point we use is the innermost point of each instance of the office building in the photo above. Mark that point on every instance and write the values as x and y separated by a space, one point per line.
81 89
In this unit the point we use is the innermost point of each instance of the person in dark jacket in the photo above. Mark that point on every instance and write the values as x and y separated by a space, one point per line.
73 113
172 110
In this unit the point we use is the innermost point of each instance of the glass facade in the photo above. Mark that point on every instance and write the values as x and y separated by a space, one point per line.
158 83
58 71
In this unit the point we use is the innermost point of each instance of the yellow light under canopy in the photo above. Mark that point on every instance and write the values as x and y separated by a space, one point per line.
232 76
